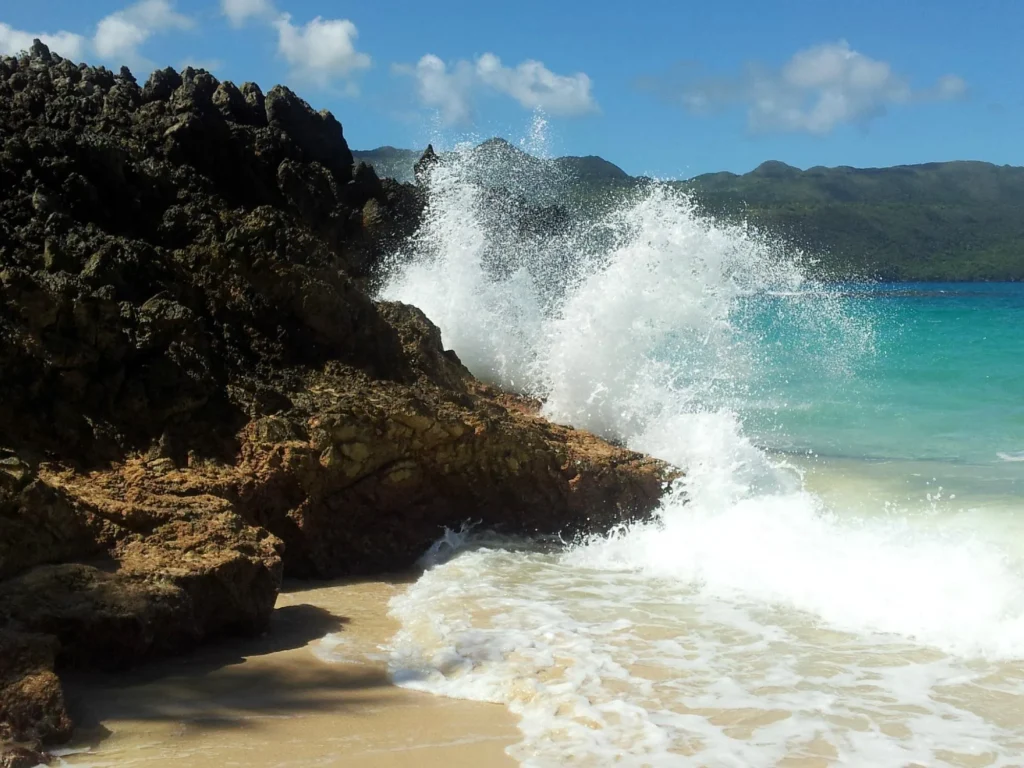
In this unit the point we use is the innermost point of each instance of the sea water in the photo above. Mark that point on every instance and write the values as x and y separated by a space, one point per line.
838 578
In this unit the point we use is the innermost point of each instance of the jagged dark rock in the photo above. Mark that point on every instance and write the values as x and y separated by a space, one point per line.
196 394
161 85
428 160
12 756
317 134
174 192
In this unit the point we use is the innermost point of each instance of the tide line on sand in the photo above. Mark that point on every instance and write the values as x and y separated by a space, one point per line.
313 691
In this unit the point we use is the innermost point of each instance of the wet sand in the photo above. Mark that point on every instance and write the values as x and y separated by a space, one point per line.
287 699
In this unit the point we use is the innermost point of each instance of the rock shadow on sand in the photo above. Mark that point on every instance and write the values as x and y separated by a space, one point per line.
232 685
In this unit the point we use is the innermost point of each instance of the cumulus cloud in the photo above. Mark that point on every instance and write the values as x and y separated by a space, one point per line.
450 88
67 44
817 90
119 35
240 11
446 89
322 50
535 86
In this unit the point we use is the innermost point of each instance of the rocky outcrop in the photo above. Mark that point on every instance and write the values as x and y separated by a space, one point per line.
361 475
174 563
114 566
14 756
155 250
196 393
32 706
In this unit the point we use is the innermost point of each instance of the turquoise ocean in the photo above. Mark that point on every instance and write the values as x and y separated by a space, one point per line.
932 412
839 578
942 382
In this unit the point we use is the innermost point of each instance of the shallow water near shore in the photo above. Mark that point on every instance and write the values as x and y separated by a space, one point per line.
872 639
839 580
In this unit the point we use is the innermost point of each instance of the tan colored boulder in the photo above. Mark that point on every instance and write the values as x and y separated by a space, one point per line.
368 474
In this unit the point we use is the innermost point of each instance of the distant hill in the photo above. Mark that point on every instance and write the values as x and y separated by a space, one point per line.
591 169
953 183
937 221
389 161
499 153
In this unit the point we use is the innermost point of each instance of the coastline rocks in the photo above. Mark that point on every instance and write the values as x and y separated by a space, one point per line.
421 169
32 709
153 250
196 394
318 135
174 564
37 524
362 475
21 757
168 565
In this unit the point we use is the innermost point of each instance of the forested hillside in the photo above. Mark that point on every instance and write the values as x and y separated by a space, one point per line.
937 221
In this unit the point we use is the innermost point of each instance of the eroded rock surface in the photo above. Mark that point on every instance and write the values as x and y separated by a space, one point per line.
32 706
197 394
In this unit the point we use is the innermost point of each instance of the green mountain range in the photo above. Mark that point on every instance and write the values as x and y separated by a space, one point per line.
932 222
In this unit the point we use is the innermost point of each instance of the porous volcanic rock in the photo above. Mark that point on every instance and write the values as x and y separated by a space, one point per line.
32 706
197 394
362 474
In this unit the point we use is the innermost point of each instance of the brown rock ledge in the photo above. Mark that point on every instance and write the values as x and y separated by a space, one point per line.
197 395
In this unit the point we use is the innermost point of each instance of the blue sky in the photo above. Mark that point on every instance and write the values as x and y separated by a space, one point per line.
662 88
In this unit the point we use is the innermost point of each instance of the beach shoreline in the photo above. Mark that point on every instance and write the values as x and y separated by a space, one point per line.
314 690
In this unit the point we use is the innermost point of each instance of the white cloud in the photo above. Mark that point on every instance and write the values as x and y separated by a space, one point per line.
450 88
950 87
240 11
67 44
535 86
119 35
117 38
815 91
321 50
449 91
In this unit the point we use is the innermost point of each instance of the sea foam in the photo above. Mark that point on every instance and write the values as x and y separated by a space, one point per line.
750 622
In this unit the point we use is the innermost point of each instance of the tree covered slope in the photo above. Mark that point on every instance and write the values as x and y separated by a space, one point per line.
937 221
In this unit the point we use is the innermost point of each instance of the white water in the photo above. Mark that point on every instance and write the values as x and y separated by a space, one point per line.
755 622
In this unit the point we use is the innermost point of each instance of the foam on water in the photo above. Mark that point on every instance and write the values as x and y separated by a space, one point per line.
888 574
751 622
618 668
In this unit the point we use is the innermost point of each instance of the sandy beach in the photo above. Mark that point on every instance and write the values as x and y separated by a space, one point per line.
313 691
